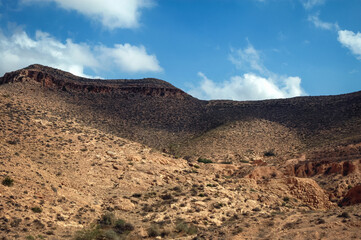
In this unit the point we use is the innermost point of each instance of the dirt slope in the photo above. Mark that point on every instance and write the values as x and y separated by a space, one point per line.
64 164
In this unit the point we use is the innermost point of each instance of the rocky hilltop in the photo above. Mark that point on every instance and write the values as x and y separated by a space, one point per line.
76 154
56 79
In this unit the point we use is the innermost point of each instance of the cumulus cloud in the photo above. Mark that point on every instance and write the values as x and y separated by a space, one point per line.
19 50
111 13
250 86
321 24
351 41
308 4
130 58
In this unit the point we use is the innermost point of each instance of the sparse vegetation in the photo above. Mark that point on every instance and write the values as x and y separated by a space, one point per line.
269 153
153 231
187 228
344 215
36 209
204 160
8 181
108 228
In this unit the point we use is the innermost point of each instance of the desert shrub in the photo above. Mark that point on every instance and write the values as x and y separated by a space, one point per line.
153 231
244 161
107 219
137 195
108 229
36 209
92 233
344 215
226 162
166 197
218 205
177 189
8 181
109 235
30 237
286 199
121 226
269 153
204 160
187 228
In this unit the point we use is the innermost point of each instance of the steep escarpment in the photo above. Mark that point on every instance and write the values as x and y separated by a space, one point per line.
57 79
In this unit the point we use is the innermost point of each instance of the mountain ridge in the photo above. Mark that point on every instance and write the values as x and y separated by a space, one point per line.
156 113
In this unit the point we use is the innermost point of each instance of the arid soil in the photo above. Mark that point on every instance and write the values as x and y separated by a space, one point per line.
71 155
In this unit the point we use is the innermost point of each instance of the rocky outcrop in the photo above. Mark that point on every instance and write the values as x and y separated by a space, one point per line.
57 79
308 191
352 197
313 168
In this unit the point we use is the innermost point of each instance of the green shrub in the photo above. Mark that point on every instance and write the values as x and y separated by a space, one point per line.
8 181
30 237
121 227
36 209
204 160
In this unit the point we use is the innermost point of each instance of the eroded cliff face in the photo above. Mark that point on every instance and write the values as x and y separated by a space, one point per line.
56 79
325 167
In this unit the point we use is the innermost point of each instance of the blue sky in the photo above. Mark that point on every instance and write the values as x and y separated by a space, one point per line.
212 49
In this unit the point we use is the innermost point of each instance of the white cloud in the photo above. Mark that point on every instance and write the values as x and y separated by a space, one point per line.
19 50
351 40
247 59
130 58
321 24
308 4
248 87
111 13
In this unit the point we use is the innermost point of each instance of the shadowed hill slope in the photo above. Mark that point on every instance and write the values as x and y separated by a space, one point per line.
160 115
63 164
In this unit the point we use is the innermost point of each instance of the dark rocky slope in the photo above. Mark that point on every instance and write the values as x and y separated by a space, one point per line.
155 113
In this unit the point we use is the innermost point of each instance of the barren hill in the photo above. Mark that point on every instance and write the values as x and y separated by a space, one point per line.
73 150
159 115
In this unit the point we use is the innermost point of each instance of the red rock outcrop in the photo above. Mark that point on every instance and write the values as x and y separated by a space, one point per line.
312 168
352 197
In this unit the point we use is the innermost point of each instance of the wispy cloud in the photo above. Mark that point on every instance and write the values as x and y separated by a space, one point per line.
247 59
111 13
309 4
321 24
19 50
352 41
256 84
